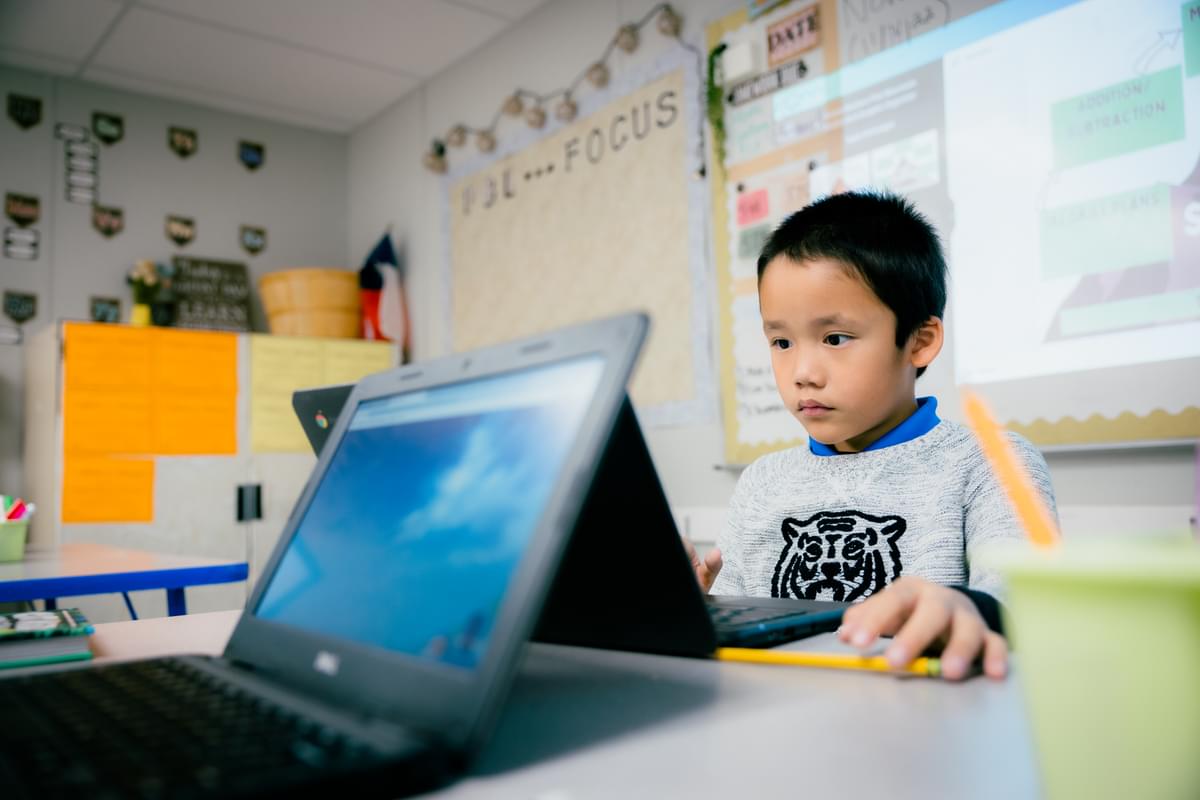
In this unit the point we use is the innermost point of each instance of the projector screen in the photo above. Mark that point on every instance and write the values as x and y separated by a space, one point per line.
1072 146
1055 146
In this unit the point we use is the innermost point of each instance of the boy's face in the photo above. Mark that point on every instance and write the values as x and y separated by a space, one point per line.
834 354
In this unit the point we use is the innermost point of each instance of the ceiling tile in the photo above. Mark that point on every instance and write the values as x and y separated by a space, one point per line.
251 108
62 29
509 9
174 52
36 62
416 37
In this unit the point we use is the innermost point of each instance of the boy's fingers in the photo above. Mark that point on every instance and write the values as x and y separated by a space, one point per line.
691 550
706 570
995 655
927 621
966 640
878 615
713 563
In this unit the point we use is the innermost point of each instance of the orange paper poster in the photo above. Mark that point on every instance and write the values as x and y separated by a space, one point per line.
107 489
132 391
194 386
106 397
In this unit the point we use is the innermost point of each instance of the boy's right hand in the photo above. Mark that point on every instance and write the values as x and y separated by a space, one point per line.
706 569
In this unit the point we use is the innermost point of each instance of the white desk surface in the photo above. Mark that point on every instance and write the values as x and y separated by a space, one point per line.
584 724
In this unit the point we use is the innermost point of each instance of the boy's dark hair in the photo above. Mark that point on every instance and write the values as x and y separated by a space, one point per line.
884 239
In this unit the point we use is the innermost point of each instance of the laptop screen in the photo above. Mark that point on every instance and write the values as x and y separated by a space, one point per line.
426 508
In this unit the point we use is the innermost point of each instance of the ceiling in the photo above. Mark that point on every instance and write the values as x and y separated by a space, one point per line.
326 64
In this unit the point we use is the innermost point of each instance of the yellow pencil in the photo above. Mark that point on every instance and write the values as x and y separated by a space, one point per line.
1031 511
923 667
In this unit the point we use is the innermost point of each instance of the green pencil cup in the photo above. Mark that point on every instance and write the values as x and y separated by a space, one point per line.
12 540
1106 637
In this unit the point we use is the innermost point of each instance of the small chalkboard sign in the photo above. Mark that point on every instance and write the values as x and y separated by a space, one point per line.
211 294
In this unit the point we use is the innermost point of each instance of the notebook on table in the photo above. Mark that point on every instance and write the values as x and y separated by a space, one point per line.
380 641
626 537
32 638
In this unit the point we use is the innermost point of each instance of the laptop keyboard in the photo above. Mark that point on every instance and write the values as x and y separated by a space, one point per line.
156 729
727 616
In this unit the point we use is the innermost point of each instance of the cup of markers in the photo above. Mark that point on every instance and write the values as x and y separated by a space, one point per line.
14 527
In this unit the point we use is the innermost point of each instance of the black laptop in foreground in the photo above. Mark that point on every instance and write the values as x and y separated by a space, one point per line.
382 637
625 582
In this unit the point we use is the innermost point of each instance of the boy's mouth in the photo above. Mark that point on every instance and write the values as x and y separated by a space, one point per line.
810 408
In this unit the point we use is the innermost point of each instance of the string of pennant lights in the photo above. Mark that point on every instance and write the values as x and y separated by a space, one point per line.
532 106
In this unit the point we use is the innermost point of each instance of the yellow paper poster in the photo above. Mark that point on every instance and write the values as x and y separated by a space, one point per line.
281 365
278 366
349 360
107 489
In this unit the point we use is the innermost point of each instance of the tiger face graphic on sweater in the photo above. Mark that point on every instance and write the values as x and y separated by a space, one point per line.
838 555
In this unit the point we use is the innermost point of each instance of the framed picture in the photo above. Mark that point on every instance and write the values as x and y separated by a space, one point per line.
104 309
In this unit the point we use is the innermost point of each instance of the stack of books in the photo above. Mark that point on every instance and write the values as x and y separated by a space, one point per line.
30 638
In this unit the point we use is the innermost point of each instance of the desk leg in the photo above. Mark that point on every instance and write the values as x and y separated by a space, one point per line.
129 605
176 603
51 603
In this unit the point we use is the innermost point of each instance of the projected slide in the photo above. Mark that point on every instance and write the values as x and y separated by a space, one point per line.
1055 145
1076 191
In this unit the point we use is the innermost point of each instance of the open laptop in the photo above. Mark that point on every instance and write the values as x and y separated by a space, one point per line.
382 636
625 581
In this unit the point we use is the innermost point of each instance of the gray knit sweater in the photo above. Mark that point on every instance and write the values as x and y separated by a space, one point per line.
843 527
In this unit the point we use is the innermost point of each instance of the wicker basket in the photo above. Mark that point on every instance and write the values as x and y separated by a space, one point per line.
311 301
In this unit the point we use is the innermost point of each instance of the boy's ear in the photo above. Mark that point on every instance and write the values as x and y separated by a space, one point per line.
926 342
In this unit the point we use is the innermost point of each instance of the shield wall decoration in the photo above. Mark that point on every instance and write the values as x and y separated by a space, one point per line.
180 230
182 141
108 128
108 220
22 209
254 240
251 154
24 110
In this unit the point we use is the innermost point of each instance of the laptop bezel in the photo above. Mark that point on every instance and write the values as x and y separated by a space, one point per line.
452 705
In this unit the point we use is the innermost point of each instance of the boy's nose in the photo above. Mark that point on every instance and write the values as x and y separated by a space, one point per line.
806 371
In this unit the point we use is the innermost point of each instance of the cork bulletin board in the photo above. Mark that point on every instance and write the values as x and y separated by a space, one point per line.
602 215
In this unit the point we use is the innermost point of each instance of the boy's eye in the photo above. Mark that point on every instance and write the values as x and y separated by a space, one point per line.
782 344
837 339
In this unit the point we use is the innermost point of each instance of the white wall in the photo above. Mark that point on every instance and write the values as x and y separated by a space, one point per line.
543 52
298 195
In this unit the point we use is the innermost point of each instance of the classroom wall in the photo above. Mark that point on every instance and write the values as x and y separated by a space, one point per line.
299 195
326 198
1098 491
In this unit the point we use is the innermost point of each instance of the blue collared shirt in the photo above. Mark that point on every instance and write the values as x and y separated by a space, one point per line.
919 423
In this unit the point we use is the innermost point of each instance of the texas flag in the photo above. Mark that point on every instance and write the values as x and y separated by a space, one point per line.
384 301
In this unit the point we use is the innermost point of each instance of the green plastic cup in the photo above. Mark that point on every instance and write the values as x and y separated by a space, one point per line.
1106 637
12 540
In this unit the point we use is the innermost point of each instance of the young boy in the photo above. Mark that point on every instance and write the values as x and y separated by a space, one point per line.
886 503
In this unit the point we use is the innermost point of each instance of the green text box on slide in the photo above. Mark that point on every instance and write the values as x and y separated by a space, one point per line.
1190 17
1114 232
1155 309
1120 118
